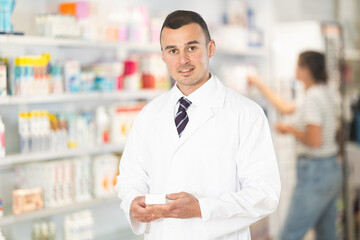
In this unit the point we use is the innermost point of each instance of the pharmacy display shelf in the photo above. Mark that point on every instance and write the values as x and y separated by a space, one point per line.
47 212
352 54
123 95
131 46
68 42
44 156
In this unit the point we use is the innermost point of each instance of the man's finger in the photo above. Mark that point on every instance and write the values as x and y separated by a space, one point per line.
174 196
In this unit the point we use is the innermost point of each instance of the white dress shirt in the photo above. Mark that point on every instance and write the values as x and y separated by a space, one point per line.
225 158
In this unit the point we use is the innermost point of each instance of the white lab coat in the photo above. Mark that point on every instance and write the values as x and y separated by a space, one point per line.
225 158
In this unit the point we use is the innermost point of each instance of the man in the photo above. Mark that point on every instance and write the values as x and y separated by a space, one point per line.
205 146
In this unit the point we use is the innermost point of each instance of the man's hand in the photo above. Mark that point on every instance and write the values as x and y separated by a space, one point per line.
140 212
184 205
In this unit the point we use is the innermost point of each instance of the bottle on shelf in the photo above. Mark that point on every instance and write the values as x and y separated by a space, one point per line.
2 138
3 77
52 231
103 126
1 208
44 231
36 233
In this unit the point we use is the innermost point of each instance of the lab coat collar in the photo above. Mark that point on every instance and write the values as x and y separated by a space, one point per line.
203 96
207 100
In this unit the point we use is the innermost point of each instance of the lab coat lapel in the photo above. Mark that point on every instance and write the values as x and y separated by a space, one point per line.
203 113
167 123
199 118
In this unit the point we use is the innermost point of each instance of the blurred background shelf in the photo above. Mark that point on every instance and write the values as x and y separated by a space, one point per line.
46 212
68 42
139 47
45 156
124 95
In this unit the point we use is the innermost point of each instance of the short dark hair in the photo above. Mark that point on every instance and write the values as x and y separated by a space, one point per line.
181 18
315 62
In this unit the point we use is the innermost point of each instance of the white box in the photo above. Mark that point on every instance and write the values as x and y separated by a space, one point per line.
155 199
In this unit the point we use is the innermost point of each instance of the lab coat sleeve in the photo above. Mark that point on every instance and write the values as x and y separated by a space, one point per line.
259 181
133 179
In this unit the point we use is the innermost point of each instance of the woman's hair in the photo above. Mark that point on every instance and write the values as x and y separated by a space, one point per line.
315 62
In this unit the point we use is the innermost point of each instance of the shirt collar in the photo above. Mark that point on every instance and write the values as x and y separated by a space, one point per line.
201 96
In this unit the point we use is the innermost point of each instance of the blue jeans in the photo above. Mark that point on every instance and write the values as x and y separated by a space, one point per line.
313 203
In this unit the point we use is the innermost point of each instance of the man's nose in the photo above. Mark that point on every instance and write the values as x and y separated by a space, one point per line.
184 58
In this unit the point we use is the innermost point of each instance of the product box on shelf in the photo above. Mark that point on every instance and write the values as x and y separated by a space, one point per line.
62 181
82 179
122 118
154 72
79 225
72 73
105 171
27 200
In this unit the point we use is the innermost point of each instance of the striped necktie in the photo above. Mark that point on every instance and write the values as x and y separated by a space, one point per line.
181 118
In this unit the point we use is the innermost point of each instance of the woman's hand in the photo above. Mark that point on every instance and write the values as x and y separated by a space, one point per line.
282 128
253 78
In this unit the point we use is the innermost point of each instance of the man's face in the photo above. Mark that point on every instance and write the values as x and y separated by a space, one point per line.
186 54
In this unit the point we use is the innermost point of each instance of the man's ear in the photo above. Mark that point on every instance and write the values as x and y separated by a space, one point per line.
211 48
162 56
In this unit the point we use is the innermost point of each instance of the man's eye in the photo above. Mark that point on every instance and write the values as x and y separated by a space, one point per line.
173 51
192 48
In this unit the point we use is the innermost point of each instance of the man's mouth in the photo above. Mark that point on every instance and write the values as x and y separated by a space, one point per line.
186 70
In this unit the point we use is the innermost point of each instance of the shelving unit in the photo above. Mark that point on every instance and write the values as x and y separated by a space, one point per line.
44 156
124 95
46 212
60 49
63 42
130 46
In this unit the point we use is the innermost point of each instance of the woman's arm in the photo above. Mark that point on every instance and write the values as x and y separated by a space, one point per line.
281 104
312 136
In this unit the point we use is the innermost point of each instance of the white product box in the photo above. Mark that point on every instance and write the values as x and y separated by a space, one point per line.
155 199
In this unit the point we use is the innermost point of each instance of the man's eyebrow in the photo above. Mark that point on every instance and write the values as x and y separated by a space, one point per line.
192 42
170 46
188 43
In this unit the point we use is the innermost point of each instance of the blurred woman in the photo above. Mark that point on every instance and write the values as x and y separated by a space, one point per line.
313 203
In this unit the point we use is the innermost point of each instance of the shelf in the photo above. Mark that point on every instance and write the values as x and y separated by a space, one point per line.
44 156
124 95
47 212
131 46
352 54
67 42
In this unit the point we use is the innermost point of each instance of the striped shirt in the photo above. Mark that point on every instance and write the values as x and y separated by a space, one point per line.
318 109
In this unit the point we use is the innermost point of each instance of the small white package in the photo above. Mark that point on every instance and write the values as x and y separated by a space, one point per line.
155 199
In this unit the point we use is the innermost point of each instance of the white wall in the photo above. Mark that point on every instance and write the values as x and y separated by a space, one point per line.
295 10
